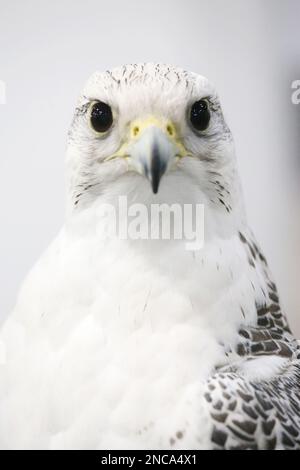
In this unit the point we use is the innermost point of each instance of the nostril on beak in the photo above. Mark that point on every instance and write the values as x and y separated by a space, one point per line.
170 129
135 131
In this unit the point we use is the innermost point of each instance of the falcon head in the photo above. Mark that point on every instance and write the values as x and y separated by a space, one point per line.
151 132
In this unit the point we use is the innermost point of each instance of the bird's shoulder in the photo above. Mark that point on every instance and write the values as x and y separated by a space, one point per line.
254 402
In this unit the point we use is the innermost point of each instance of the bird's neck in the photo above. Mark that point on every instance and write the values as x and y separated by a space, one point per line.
159 284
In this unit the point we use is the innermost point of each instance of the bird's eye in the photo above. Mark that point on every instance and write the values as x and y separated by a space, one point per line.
200 115
101 117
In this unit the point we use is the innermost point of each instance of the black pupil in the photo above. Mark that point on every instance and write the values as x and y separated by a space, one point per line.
200 115
101 117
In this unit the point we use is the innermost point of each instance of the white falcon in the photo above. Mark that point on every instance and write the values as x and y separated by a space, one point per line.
117 342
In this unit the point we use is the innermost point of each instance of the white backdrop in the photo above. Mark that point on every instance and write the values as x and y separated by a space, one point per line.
248 48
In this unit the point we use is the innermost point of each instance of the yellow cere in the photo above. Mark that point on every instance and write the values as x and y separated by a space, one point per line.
136 130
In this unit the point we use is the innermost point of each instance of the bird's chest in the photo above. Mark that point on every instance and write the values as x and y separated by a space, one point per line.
139 353
145 343
126 344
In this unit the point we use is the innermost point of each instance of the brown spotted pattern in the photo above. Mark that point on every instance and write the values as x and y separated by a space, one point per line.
258 414
255 415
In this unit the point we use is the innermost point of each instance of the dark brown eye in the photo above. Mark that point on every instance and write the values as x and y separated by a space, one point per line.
200 115
101 117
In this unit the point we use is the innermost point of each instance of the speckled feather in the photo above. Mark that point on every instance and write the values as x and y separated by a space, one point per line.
258 412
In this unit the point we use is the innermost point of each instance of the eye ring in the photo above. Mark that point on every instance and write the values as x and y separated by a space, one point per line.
100 117
200 115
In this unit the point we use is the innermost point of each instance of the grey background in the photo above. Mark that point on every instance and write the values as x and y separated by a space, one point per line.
248 48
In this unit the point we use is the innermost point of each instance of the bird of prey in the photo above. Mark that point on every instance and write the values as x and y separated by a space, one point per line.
130 343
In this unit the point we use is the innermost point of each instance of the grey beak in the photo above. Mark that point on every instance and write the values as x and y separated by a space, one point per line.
152 154
157 168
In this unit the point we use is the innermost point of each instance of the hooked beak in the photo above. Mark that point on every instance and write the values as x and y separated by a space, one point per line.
153 150
156 168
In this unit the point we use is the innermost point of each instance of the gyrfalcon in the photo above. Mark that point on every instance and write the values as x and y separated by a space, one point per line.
138 342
